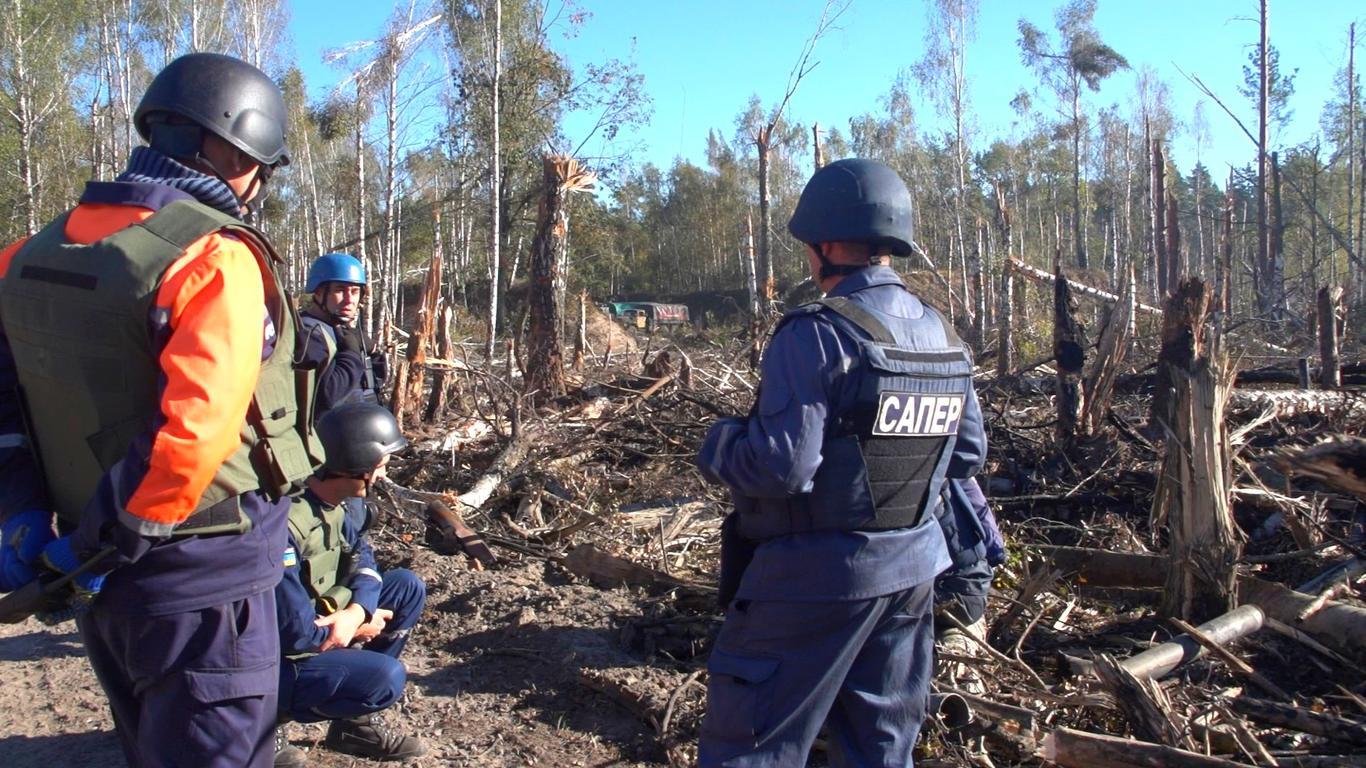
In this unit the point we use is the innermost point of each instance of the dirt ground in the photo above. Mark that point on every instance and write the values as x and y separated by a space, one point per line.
497 676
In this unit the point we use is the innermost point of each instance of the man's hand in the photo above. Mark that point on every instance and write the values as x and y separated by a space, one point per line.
371 629
59 557
342 626
22 538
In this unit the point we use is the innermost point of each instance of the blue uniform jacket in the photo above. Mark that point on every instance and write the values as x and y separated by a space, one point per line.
810 374
294 604
345 374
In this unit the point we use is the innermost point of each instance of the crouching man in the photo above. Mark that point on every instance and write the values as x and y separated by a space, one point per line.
343 624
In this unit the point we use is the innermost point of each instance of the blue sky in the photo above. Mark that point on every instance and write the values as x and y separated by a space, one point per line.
703 59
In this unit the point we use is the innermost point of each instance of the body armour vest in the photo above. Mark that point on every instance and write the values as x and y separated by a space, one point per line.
883 461
367 392
322 553
77 318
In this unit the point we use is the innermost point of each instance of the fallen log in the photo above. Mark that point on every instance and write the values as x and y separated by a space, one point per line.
1079 749
1298 719
1105 568
1042 276
607 570
1337 625
1288 404
1340 463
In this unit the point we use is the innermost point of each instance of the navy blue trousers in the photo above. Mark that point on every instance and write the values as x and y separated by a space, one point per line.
781 669
348 682
193 689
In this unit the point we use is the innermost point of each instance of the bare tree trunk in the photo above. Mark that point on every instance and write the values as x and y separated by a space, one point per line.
1159 219
1330 370
545 357
1004 298
979 289
445 349
1069 349
819 156
409 389
1352 130
495 181
755 307
1224 272
1113 348
360 207
765 261
1262 269
581 342
1192 496
1275 246
1079 239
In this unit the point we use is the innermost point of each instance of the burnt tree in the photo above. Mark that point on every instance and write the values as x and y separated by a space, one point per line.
1069 349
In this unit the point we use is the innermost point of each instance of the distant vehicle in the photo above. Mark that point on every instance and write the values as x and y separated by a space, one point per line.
649 315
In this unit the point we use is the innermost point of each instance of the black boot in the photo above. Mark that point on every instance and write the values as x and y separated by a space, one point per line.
369 736
287 755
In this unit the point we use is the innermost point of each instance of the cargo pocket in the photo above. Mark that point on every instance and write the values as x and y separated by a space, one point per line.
738 696
211 686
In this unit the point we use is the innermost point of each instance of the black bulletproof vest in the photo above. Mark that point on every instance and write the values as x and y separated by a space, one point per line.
883 461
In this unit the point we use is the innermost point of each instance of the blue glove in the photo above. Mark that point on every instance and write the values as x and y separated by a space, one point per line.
60 557
22 539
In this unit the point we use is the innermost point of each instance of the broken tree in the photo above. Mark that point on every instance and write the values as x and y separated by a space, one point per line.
1069 349
545 356
1192 495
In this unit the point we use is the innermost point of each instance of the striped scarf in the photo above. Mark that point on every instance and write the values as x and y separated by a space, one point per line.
150 166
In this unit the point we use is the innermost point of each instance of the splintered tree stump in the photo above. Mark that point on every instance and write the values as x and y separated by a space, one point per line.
1192 495
1330 372
1115 339
560 176
445 346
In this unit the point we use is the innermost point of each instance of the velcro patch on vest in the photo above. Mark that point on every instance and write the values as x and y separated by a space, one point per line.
910 414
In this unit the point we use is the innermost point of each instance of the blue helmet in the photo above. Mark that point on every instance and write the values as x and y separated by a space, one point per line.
335 268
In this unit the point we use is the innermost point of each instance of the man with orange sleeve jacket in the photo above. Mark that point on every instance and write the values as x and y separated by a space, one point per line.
147 363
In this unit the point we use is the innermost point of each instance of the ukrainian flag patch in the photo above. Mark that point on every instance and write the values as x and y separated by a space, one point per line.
291 557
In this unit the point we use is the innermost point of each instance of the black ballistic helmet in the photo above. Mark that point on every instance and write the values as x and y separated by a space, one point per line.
356 436
857 201
227 96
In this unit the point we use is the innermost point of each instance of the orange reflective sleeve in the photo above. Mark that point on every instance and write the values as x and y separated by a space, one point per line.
213 301
7 255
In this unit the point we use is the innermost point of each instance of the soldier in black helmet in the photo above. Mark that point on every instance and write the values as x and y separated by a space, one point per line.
829 558
158 433
343 623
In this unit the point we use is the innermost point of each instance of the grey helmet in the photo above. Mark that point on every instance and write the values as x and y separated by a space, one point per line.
356 436
236 101
857 201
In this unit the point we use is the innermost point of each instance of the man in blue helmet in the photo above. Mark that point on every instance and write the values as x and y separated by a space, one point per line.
829 559
350 370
